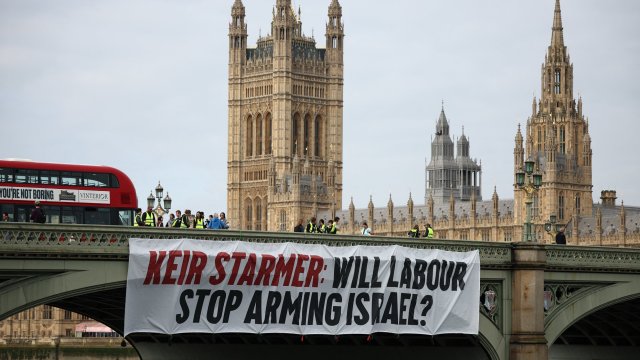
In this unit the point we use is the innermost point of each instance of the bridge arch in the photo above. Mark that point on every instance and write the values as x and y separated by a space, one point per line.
627 289
57 282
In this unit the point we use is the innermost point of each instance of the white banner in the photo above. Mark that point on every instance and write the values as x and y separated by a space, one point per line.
198 286
54 195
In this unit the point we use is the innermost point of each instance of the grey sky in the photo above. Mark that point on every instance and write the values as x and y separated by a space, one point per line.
141 85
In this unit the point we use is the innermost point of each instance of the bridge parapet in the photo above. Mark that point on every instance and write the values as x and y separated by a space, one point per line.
113 241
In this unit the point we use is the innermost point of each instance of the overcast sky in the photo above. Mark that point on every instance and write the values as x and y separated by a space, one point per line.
141 85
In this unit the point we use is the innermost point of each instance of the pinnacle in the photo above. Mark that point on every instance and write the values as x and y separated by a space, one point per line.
557 37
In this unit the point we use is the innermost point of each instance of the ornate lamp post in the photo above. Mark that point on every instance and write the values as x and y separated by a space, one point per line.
529 181
159 210
552 227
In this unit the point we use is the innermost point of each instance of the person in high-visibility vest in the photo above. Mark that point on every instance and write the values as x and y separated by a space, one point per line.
149 218
137 220
428 231
311 226
184 220
199 222
322 228
414 232
334 226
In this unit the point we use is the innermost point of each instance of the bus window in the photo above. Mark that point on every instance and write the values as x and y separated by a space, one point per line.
7 208
114 181
26 176
49 177
71 215
125 217
96 216
97 180
71 178
6 175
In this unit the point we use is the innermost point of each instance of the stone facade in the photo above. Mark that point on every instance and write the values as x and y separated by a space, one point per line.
557 139
285 121
41 324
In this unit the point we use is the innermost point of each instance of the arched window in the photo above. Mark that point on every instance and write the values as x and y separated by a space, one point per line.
557 84
283 220
249 138
562 140
334 42
268 132
578 204
296 135
258 207
259 135
561 206
539 139
320 137
248 220
307 135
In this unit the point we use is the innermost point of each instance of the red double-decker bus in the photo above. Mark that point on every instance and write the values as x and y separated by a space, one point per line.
68 194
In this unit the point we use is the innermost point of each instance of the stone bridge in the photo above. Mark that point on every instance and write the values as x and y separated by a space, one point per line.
551 302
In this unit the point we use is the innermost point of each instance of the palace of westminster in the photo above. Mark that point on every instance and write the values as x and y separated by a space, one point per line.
285 156
285 149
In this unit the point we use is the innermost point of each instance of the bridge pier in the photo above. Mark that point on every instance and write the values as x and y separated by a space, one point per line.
527 340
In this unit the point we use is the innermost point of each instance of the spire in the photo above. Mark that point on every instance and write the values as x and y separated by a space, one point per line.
557 39
442 128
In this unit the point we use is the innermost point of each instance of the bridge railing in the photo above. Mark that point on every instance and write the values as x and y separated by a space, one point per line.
90 240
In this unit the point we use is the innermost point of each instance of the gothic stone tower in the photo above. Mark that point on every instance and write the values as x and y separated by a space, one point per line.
447 177
285 121
557 139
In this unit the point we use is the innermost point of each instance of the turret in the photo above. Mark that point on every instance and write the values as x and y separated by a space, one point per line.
518 152
335 32
237 34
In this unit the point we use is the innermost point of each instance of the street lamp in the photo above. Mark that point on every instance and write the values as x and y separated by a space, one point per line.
552 227
160 210
529 181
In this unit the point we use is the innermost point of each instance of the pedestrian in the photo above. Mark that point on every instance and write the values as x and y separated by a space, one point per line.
5 217
184 219
366 230
37 215
177 219
223 221
322 228
149 218
561 239
172 219
189 219
299 227
333 229
199 220
311 226
414 232
428 231
160 222
137 219
215 223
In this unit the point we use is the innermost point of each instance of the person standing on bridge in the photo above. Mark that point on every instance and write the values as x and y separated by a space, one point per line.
5 217
414 232
561 239
311 226
366 230
333 229
37 215
149 218
428 231
223 221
